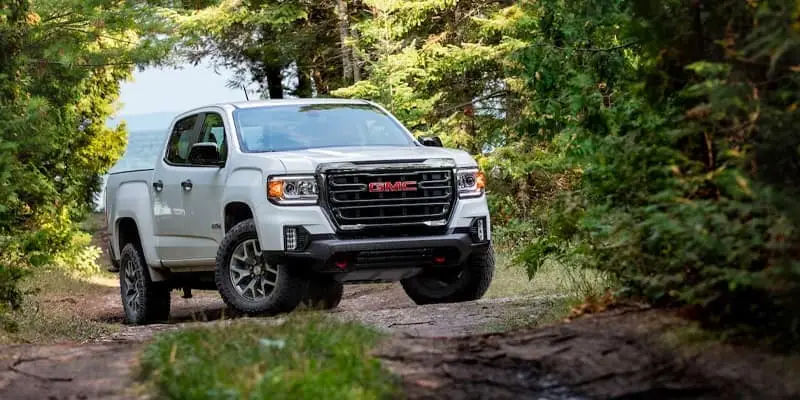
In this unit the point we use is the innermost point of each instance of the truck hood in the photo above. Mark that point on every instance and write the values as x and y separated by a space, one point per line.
306 161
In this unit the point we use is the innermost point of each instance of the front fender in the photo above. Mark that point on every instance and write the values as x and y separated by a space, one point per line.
244 185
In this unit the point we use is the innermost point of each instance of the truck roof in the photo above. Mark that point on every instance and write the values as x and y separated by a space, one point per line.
269 103
263 103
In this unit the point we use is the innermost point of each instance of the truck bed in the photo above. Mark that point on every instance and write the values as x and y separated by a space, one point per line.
140 178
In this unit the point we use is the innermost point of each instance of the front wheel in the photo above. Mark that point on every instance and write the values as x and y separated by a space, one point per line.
247 283
466 282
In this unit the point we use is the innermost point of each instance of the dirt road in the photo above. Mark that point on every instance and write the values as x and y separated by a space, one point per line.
441 351
103 369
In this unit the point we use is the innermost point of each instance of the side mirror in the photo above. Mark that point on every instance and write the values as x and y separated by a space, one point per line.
205 154
432 141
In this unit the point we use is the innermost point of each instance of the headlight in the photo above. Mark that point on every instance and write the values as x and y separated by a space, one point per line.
471 183
292 190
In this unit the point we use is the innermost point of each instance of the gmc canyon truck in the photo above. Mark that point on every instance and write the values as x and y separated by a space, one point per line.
279 203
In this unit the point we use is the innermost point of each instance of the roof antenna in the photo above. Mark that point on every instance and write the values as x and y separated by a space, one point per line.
245 93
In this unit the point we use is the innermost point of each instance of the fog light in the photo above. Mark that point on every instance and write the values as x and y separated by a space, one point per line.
478 230
295 238
290 238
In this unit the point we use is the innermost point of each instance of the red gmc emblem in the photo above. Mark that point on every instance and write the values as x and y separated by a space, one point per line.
399 186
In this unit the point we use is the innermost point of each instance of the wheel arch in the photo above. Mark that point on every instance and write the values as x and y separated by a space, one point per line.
127 230
236 212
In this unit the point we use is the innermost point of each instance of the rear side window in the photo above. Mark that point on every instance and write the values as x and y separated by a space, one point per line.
180 140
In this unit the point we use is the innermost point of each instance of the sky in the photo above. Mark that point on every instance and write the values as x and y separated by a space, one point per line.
175 90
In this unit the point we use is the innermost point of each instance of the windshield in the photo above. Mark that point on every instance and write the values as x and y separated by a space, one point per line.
298 127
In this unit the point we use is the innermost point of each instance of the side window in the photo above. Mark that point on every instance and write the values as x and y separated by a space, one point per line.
214 132
180 140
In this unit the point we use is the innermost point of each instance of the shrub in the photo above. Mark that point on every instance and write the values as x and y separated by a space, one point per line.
79 258
303 356
690 175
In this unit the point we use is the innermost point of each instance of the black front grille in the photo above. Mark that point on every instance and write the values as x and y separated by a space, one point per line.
394 258
377 199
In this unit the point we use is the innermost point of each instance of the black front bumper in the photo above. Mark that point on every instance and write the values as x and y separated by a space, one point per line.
381 259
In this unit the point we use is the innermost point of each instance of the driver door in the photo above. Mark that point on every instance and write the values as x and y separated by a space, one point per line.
167 196
202 198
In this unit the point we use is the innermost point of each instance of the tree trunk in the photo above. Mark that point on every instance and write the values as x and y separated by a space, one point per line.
274 82
304 87
320 83
356 61
344 35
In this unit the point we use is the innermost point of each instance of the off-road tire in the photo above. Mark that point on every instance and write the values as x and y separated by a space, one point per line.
323 294
153 301
285 296
476 276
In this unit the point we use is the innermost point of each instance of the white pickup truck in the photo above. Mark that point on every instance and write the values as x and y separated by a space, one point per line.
279 203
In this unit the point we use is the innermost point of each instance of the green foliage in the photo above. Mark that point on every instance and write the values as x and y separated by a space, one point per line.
649 140
689 162
79 258
270 42
60 71
428 60
10 293
304 356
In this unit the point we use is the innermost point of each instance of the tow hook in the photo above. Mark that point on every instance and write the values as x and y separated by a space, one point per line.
187 293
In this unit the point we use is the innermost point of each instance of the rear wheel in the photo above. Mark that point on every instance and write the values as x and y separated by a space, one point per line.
247 283
466 282
143 300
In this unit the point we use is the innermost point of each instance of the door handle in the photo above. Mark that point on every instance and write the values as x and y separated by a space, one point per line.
158 185
187 185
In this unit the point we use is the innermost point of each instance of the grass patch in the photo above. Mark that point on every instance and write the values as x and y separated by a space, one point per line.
553 279
562 287
57 281
554 311
60 299
691 337
304 356
52 311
